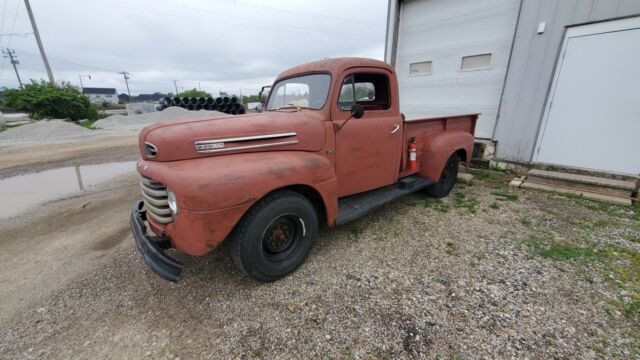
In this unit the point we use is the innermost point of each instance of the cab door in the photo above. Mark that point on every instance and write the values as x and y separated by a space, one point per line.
367 149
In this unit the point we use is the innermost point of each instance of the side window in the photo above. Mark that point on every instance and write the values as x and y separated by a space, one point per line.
346 99
369 90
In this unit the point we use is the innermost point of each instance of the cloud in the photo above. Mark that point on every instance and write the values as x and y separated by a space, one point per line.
229 45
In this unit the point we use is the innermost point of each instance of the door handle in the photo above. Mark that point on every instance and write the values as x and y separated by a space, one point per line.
395 129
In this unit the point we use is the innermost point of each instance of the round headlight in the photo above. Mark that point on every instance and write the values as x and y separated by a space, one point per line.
173 204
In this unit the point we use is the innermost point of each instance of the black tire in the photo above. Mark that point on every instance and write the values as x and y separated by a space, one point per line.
275 236
447 179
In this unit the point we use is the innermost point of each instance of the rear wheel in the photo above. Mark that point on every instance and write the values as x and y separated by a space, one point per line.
275 236
447 178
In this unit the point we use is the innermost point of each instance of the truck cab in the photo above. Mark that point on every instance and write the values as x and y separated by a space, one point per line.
330 146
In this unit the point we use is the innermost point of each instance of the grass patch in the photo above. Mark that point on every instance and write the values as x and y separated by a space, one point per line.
436 204
460 200
495 205
504 196
605 223
633 238
356 231
526 222
558 251
88 124
619 266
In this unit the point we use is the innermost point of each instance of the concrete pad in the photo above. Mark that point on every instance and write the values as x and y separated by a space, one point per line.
465 178
591 196
516 182
629 185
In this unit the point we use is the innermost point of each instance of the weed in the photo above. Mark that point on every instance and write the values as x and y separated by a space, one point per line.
462 201
526 222
88 124
451 249
605 223
563 252
506 196
436 204
356 231
633 238
495 205
349 353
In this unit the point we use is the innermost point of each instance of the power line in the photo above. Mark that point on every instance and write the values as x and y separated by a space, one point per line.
283 29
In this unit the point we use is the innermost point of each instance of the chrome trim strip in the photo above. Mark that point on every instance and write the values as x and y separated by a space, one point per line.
249 147
247 138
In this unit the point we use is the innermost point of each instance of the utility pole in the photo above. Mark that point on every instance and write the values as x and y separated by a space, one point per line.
126 81
199 88
176 85
39 41
80 77
11 55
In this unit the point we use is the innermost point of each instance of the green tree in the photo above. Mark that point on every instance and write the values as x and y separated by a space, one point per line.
44 100
194 92
250 98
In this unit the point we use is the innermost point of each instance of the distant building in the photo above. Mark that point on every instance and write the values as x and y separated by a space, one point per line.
156 96
101 95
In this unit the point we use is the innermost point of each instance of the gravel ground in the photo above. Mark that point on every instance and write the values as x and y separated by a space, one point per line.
488 272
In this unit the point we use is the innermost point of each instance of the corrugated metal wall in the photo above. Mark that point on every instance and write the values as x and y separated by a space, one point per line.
533 62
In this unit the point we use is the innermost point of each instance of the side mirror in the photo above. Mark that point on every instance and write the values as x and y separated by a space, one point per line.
357 111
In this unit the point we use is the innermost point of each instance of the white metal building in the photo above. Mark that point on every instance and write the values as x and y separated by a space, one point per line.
101 95
556 81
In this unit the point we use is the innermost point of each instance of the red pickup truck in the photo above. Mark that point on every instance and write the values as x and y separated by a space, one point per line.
330 146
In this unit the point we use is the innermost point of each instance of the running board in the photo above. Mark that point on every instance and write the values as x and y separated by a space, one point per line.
354 206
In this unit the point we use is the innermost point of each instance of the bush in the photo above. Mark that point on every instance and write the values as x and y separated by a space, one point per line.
45 100
194 92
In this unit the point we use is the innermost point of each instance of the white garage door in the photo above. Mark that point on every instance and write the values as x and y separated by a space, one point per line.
592 119
452 56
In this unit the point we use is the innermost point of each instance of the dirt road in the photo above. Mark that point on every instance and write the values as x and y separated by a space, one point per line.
485 273
16 160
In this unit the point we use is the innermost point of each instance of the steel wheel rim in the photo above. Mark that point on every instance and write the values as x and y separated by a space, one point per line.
282 238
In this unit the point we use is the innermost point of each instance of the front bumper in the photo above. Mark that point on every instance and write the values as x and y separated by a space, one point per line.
152 247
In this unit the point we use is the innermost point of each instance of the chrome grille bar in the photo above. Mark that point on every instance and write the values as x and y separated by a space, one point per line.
155 200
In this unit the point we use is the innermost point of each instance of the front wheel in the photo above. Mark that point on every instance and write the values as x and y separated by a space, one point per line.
447 180
275 236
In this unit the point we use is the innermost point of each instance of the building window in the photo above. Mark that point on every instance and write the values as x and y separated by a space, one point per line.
420 68
476 62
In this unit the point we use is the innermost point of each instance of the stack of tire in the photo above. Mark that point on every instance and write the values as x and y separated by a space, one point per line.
225 104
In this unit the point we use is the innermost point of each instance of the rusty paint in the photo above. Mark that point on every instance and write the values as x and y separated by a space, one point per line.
214 190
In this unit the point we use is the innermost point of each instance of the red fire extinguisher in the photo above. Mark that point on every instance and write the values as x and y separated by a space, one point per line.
413 147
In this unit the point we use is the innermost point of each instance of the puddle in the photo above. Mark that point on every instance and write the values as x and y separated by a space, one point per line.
19 193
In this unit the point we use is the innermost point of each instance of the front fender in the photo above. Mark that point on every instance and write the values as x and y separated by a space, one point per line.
439 147
216 183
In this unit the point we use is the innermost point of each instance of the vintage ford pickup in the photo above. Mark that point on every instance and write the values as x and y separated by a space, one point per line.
330 146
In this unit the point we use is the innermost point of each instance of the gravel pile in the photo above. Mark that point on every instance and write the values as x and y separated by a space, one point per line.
137 122
45 130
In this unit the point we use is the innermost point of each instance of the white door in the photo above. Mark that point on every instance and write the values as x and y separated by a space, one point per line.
452 57
592 119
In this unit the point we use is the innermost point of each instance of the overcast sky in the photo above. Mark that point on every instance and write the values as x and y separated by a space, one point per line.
223 44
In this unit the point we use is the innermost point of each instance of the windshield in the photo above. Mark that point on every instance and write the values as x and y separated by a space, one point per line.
308 91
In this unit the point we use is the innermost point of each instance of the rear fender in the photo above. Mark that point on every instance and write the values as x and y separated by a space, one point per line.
438 148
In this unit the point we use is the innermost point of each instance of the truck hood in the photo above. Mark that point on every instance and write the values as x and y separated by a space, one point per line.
269 131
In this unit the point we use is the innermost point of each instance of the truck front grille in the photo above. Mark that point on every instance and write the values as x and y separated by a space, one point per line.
155 200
